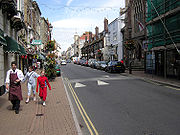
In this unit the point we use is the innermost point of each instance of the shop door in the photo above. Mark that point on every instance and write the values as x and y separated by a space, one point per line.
160 63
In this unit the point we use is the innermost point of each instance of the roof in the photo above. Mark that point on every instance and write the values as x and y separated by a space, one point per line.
86 34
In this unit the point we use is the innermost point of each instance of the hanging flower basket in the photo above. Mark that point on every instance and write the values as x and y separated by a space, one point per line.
50 46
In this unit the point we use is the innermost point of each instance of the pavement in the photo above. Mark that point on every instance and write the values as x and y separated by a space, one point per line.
173 82
34 119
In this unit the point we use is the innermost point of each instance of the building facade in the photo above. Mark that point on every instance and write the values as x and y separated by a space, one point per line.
11 22
76 45
163 33
115 45
134 33
43 31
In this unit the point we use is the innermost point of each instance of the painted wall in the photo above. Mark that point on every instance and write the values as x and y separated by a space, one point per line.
115 36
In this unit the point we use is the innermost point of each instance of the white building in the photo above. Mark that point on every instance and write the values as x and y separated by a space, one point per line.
114 39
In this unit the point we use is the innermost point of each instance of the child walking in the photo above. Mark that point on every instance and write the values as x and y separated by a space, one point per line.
30 76
42 83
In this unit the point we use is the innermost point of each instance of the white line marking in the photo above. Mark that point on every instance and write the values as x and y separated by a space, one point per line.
102 83
78 85
106 76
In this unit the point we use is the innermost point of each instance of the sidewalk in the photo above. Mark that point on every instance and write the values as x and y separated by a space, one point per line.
54 119
155 78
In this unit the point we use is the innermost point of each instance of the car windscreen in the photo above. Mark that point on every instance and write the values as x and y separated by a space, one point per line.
103 62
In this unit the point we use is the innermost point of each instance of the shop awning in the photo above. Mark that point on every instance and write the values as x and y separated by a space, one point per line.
2 39
36 42
22 50
12 46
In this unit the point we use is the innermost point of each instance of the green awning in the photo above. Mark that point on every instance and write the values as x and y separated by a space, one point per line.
36 42
22 50
12 46
2 39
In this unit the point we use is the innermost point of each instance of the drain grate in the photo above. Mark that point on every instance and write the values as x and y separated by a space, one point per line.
39 114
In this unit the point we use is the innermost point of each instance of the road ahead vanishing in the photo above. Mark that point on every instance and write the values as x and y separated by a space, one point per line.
114 104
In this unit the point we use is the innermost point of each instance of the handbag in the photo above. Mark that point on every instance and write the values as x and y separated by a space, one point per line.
2 90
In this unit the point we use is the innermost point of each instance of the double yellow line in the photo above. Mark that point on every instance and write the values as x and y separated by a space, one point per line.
82 111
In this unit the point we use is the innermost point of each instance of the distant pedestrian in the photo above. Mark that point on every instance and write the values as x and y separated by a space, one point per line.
42 83
30 76
122 61
13 83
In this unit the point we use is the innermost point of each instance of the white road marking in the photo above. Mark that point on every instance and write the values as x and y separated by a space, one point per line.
106 76
102 83
78 85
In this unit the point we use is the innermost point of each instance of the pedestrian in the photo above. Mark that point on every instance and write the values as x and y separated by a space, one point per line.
13 83
42 83
122 61
30 76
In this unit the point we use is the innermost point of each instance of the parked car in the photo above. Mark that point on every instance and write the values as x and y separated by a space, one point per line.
86 63
90 62
97 64
115 66
58 70
63 62
68 61
93 63
82 62
101 65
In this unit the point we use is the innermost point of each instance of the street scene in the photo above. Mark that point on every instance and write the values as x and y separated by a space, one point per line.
73 67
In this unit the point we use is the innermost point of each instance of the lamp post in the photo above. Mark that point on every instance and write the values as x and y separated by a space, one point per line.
111 52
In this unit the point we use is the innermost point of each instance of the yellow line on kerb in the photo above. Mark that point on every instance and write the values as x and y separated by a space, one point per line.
82 110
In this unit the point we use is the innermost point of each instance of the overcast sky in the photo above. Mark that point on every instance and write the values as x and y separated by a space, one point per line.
71 16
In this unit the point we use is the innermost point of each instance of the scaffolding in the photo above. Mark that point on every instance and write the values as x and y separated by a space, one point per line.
169 13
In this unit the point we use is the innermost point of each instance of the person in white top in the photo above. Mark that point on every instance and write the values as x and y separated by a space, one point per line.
30 76
13 83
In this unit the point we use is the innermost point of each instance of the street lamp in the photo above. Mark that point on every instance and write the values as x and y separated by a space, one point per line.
111 52
50 30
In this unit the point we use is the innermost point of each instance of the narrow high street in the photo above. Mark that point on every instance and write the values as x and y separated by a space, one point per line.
93 67
121 105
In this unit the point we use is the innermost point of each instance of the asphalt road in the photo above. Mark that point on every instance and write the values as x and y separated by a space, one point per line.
122 105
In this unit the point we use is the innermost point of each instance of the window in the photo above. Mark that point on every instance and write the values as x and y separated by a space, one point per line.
114 26
114 36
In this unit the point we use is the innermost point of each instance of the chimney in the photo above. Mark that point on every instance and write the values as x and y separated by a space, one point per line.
96 31
90 36
105 25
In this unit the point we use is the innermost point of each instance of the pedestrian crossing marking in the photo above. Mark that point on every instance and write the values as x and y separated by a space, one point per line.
78 85
102 83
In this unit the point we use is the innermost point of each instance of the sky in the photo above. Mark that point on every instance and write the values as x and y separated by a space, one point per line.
70 17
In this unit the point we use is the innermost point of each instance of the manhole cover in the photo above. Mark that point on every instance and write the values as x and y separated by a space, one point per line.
40 114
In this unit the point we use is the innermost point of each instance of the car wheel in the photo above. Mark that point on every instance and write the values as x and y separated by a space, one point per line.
110 70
